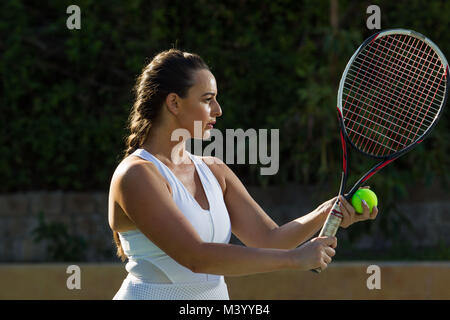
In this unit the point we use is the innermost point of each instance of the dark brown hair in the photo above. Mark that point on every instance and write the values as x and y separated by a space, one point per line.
170 71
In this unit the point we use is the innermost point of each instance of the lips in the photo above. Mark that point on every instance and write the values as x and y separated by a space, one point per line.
210 125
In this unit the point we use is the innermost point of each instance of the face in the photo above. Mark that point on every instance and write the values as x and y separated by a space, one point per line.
199 110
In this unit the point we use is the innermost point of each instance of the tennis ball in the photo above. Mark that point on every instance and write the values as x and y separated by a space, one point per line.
367 195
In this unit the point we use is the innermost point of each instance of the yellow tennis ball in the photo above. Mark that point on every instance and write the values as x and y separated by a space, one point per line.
367 195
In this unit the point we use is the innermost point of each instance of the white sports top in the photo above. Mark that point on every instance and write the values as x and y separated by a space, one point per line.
149 263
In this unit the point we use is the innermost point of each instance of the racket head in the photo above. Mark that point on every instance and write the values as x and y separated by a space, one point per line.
394 87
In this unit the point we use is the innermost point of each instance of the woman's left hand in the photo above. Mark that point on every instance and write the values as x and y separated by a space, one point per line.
351 216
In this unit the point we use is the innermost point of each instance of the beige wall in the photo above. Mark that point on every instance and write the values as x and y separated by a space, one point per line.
85 215
339 281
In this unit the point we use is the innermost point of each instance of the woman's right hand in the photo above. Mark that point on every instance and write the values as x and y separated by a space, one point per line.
316 253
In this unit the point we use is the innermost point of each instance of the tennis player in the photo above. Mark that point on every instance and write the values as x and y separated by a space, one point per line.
172 213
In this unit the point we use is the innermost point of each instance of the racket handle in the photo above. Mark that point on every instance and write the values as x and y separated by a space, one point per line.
331 225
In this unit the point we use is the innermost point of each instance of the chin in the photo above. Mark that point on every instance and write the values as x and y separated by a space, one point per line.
200 133
206 134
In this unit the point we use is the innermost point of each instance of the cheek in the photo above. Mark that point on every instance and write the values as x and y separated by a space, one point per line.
205 110
195 119
201 113
197 109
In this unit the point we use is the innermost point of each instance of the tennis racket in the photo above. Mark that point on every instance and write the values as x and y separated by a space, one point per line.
390 97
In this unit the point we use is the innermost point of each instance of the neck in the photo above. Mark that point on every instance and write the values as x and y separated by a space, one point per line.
159 144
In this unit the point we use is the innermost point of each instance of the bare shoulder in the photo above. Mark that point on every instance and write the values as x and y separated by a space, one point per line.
131 175
130 166
133 169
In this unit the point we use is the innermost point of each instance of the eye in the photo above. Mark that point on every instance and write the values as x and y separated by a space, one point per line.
208 100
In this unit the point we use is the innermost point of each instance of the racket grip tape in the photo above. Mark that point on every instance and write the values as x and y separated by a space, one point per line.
331 225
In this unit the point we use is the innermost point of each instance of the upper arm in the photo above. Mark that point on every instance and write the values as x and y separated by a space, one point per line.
148 203
249 222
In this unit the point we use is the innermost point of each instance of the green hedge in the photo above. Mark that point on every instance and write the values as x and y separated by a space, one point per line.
65 95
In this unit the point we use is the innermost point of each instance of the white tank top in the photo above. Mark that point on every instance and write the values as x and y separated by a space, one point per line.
149 263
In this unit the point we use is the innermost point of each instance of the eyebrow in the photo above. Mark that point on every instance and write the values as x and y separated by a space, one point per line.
205 94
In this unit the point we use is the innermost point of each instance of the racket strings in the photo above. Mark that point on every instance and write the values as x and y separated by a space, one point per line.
386 81
371 99
389 66
407 80
390 75
430 58
393 92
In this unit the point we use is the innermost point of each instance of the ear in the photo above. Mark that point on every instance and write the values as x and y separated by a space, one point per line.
172 103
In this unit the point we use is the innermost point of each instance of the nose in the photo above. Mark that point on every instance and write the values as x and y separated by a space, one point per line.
216 111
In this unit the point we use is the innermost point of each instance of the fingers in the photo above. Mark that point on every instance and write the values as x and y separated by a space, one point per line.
346 217
348 212
327 254
366 211
324 250
330 251
350 215
326 258
346 206
334 244
329 241
374 213
316 253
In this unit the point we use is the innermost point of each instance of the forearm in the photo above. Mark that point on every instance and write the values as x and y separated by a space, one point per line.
294 233
235 260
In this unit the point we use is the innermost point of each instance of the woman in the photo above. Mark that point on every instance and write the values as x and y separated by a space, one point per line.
172 213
